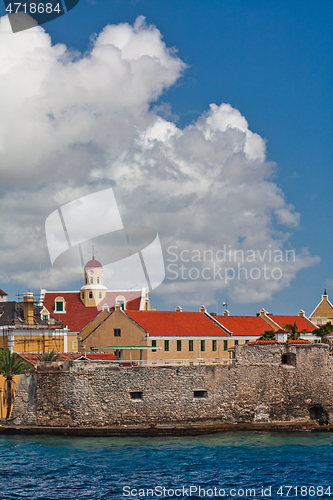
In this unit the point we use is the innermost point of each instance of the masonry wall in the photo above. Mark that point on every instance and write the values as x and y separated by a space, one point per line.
257 388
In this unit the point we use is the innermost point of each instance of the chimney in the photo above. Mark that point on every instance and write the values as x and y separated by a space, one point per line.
281 336
262 313
226 313
28 307
178 309
301 313
105 308
202 309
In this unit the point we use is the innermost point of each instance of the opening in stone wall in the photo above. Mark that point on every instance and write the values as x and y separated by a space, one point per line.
289 358
136 395
200 394
318 413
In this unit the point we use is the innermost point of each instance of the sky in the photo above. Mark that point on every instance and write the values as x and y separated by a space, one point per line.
212 123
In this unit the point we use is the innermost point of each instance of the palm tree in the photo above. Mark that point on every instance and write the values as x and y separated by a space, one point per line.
267 335
48 356
294 334
9 367
323 331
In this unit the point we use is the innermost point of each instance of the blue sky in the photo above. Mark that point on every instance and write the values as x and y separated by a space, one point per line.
272 61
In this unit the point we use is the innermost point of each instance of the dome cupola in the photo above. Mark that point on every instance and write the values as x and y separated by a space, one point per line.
93 291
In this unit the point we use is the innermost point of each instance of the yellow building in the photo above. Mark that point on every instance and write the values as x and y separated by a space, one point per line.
323 313
23 330
77 309
3 408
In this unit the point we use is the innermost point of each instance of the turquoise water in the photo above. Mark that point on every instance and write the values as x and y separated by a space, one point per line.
222 465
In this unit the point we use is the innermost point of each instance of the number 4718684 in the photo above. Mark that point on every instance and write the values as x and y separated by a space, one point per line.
33 8
304 491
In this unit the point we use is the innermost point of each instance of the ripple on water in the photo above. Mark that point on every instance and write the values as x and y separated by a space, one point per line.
64 468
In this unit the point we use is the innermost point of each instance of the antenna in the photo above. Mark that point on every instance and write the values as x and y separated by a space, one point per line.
225 304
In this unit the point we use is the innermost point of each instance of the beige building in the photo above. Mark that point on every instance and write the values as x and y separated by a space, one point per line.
157 337
323 313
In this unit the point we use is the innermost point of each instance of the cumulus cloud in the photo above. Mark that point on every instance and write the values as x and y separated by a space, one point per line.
78 123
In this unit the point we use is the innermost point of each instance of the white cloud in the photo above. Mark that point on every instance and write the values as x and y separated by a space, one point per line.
78 124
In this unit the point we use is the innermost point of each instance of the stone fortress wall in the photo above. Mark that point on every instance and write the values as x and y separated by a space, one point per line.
267 383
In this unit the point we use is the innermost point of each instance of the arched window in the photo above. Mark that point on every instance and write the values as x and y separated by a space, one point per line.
121 301
59 305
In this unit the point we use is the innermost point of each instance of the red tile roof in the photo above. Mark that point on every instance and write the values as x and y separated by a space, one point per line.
176 324
302 323
68 356
77 316
132 299
265 342
243 325
298 341
2 292
102 356
62 356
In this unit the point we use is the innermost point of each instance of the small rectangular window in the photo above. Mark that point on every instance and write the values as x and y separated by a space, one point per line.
82 295
214 345
200 394
190 345
166 345
45 318
136 395
247 341
236 342
203 345
117 332
91 281
225 345
319 321
153 344
59 306
99 295
97 279
179 345
90 295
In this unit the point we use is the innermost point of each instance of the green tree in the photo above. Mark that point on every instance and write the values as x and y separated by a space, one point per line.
10 366
48 356
323 332
294 334
268 335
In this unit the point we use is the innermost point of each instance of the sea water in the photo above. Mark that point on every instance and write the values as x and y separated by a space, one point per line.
226 465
